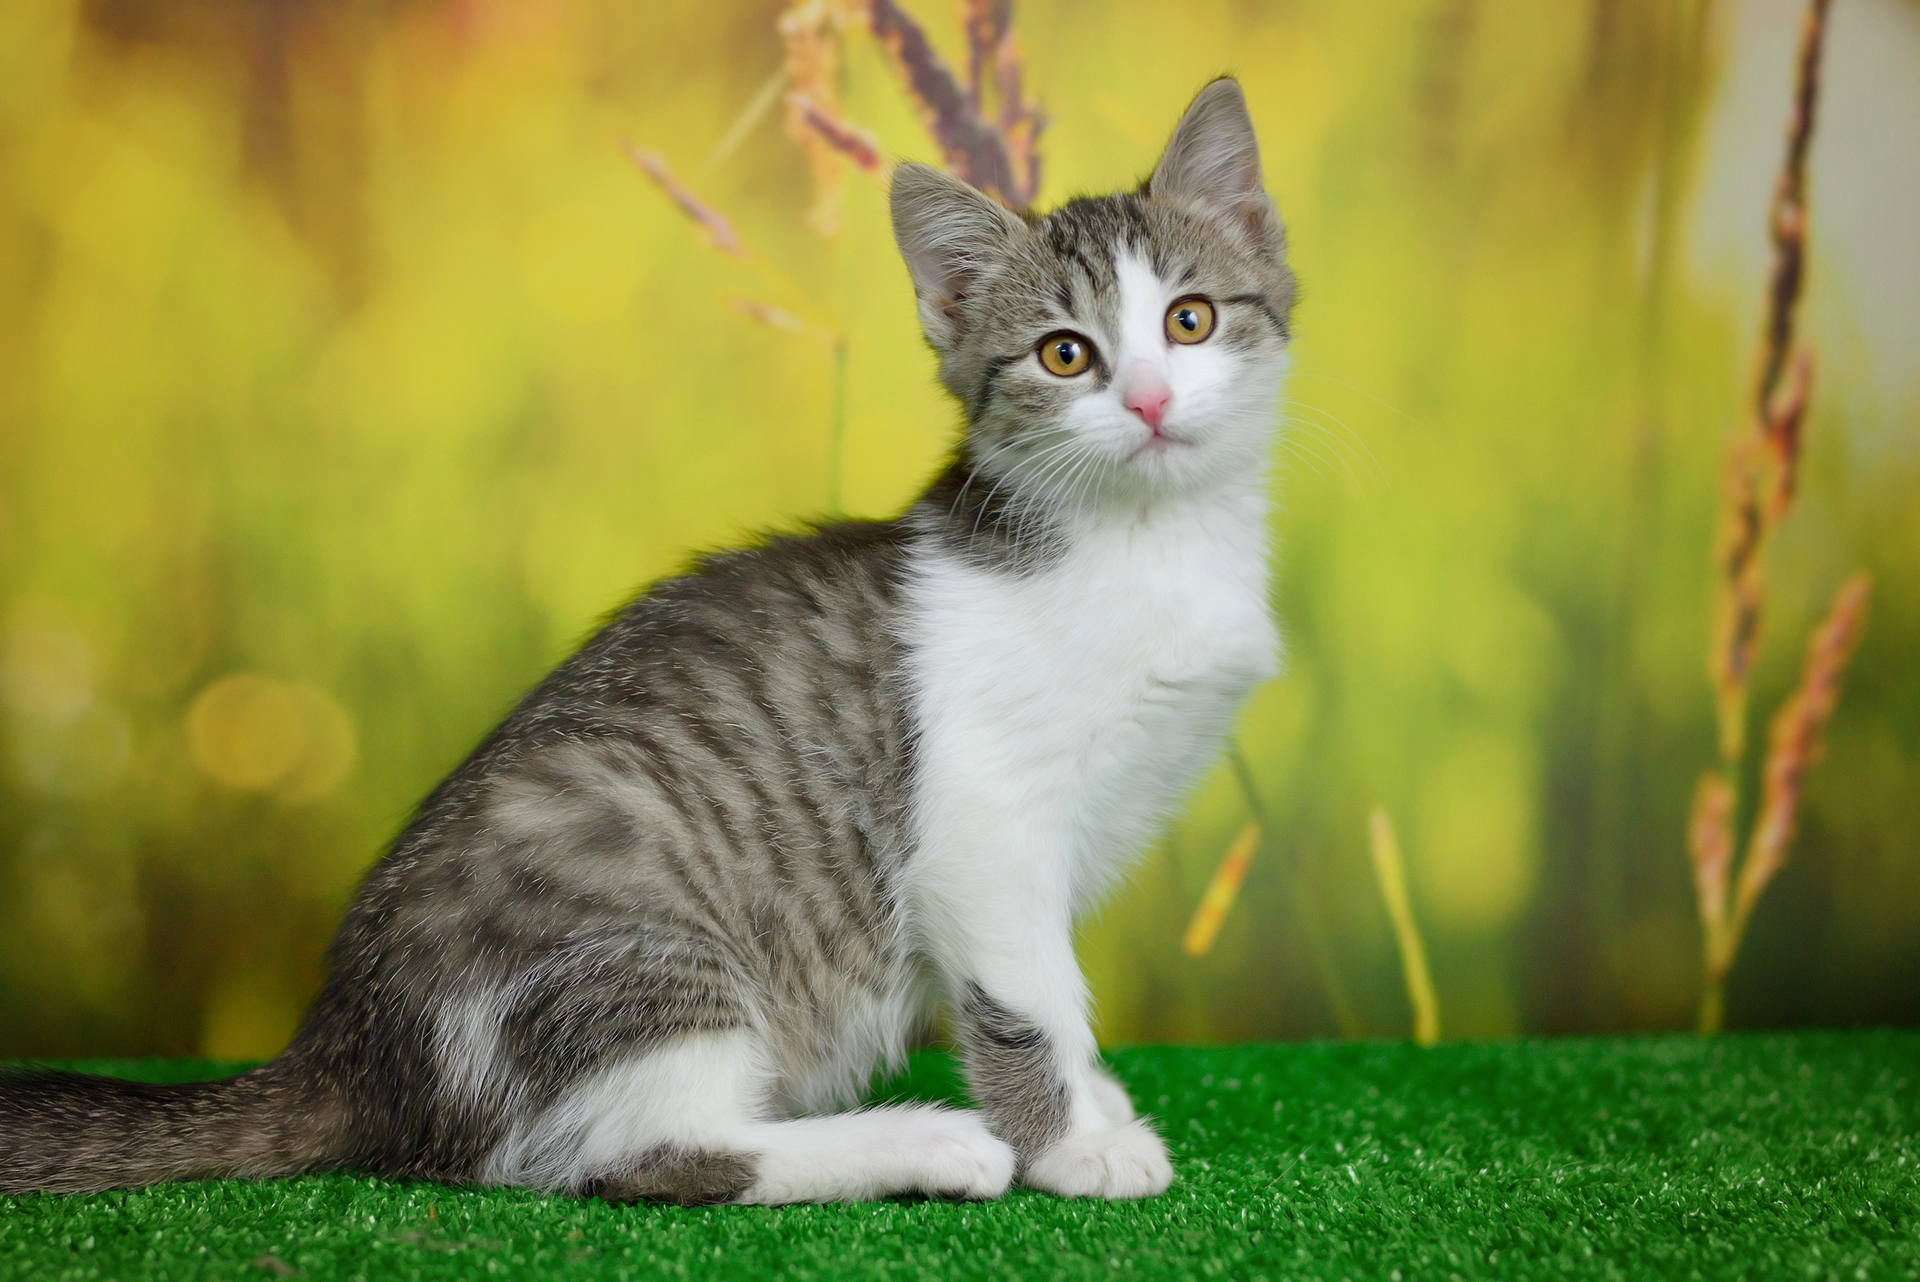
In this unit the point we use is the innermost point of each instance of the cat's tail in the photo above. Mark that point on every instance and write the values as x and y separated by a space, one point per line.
77 1133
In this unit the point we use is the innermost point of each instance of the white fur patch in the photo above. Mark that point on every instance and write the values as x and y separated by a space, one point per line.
698 1092
1064 712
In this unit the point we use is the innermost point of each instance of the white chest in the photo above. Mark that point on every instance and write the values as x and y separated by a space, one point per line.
1086 696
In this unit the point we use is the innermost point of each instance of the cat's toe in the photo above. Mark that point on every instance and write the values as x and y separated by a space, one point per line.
1125 1162
965 1162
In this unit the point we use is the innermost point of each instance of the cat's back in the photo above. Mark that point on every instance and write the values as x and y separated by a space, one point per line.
786 624
793 633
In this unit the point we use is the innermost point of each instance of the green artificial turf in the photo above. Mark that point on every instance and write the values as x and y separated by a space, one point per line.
1790 1156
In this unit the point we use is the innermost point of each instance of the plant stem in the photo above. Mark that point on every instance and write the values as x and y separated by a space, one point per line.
837 440
1713 1001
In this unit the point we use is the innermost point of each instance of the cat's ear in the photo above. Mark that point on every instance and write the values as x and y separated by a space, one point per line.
1213 160
948 232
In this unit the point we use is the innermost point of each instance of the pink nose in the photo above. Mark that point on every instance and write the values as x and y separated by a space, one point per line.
1149 401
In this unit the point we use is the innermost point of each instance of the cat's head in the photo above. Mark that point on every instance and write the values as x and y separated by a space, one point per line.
1120 347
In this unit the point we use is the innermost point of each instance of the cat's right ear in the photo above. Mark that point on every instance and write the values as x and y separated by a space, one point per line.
948 232
1213 162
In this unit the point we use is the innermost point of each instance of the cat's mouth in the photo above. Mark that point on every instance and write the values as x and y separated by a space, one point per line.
1159 441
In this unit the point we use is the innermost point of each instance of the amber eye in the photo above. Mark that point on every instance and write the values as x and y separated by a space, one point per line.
1190 320
1065 354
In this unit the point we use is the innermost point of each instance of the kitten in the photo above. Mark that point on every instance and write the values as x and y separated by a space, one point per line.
713 870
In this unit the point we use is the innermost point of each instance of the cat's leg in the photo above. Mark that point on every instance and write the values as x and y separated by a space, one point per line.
1035 1074
688 1122
1110 1095
999 923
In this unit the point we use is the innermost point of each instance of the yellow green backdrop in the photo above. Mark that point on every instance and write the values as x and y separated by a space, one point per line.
350 370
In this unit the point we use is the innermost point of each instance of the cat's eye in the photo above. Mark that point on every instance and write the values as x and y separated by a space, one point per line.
1065 354
1190 320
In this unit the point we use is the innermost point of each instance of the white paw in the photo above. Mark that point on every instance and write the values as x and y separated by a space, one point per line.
1127 1161
959 1158
1111 1096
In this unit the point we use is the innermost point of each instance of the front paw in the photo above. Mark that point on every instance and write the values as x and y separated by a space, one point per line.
1124 1162
964 1161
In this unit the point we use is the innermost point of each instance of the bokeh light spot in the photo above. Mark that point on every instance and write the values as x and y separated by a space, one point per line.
74 757
65 741
328 747
255 733
47 673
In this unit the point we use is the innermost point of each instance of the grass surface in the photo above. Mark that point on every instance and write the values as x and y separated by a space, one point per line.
1749 1156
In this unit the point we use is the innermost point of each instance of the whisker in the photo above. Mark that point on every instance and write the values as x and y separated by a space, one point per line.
1083 471
1350 435
1073 472
1391 408
1063 455
991 455
1001 481
1313 462
1331 451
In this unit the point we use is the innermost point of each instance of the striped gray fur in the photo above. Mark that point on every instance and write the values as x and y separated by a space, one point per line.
668 1174
699 823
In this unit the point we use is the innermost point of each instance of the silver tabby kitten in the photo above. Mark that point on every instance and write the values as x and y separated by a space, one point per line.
714 869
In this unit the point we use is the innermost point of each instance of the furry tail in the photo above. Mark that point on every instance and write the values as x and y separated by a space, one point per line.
75 1133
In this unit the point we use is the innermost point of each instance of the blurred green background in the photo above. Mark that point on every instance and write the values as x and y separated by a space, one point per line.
349 371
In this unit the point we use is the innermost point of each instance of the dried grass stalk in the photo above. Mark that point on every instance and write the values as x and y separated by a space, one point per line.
1710 844
1221 891
987 23
1389 872
753 309
1788 216
975 149
716 225
1757 491
852 143
1796 742
750 115
810 33
991 47
1763 460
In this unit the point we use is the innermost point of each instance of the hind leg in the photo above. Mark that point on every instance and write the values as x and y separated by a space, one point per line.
688 1122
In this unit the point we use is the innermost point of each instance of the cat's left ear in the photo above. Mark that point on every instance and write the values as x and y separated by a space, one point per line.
1213 160
949 233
